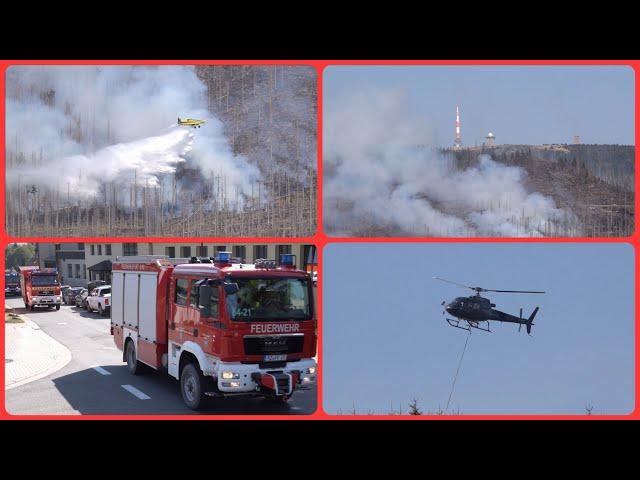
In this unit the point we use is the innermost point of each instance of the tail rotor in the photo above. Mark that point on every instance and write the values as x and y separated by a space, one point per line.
530 320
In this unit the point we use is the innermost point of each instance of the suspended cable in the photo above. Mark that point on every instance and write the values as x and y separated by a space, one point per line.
453 385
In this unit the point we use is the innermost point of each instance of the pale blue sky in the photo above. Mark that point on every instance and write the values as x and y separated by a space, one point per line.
519 104
385 340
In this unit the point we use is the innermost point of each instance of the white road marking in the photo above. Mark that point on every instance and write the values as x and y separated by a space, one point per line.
62 323
135 392
101 371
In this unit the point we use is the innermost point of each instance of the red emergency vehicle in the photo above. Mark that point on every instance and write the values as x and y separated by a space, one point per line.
40 287
220 328
11 283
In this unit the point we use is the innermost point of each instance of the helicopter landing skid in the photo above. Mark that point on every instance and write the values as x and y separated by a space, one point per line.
467 325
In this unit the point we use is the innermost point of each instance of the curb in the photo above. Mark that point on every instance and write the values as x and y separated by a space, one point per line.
61 353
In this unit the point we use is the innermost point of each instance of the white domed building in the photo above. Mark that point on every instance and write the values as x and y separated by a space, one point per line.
491 139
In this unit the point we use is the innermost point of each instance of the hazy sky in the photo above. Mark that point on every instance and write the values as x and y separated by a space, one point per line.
519 104
385 340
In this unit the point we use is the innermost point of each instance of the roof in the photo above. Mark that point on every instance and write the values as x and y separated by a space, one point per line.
249 269
103 266
197 269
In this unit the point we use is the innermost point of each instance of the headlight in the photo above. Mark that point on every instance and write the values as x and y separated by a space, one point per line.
310 370
230 375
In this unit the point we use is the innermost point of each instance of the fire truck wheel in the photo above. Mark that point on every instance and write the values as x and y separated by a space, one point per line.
192 386
135 367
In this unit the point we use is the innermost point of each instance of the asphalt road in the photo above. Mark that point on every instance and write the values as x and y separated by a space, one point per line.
96 381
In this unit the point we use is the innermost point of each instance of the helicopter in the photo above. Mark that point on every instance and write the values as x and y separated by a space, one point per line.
470 311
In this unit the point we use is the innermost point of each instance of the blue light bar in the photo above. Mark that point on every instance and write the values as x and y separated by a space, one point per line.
288 259
223 257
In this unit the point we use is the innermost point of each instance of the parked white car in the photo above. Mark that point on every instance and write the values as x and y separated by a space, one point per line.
100 300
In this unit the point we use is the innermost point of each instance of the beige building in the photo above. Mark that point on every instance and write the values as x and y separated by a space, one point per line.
99 256
71 264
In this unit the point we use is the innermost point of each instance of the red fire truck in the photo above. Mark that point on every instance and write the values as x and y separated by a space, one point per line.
40 287
11 283
221 328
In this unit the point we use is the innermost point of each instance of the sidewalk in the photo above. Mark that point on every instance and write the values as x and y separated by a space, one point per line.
30 353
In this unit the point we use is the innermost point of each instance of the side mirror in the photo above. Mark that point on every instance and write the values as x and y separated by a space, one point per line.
231 288
205 292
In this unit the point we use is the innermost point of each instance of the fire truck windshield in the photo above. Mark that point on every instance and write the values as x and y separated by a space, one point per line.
43 280
269 299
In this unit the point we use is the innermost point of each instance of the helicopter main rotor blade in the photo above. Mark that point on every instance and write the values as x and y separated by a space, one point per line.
480 289
453 283
509 291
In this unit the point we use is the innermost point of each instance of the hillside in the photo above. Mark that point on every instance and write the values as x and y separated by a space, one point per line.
501 191
595 182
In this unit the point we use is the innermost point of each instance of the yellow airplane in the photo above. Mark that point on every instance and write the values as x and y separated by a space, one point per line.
190 122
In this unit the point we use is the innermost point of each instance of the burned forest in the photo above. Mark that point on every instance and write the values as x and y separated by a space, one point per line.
506 190
96 151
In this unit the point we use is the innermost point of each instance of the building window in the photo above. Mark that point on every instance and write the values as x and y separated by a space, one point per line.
99 249
81 246
240 251
185 252
170 252
84 272
181 291
93 249
202 251
107 249
259 251
221 248
281 250
70 270
129 249
151 249
77 270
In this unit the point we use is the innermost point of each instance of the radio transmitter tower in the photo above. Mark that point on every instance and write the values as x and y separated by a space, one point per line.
457 143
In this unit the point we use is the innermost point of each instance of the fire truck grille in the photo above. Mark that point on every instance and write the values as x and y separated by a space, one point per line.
283 382
270 345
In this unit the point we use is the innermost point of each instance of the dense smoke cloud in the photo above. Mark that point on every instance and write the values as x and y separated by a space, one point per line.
377 173
101 124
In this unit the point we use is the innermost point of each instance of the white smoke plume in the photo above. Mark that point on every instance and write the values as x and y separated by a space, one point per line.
378 174
84 125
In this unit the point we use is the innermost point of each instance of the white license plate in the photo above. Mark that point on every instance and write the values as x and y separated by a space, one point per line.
275 358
